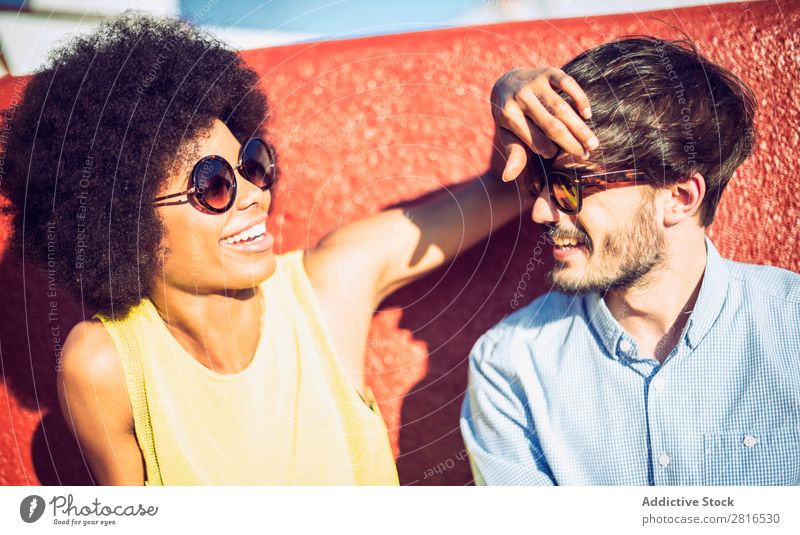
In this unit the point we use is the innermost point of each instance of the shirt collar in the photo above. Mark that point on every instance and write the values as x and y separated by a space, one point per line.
708 306
606 328
713 292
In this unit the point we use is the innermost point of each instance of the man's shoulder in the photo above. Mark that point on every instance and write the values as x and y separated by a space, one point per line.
546 313
763 282
544 310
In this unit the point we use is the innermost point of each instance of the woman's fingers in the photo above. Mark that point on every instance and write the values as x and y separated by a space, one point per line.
567 84
526 103
556 119
516 152
564 114
560 80
516 157
513 119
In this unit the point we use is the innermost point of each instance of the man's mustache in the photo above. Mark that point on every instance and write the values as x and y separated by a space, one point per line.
558 233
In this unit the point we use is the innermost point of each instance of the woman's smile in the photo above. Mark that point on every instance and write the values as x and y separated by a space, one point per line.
253 239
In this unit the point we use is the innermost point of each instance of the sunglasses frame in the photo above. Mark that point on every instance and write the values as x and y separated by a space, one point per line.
197 193
624 177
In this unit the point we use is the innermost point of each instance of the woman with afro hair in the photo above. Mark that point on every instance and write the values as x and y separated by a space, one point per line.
211 359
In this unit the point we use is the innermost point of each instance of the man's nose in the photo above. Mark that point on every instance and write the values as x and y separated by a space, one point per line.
544 211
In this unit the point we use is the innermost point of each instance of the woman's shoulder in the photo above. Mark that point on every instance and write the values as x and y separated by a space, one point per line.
90 365
89 345
93 396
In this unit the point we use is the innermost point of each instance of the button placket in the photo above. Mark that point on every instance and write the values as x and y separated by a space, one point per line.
658 383
656 416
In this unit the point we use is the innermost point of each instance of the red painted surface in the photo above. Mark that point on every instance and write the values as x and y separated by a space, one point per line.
363 124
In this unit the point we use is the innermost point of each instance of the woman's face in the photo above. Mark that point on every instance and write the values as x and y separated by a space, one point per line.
215 253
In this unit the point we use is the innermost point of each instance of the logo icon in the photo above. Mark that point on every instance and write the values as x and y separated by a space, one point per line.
31 508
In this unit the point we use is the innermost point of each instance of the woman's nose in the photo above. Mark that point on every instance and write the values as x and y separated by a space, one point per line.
248 194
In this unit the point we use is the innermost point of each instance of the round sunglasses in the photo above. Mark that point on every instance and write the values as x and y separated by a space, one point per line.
213 181
567 188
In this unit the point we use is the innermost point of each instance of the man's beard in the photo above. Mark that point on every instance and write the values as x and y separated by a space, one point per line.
636 249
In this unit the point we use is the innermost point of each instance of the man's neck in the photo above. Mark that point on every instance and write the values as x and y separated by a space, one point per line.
655 311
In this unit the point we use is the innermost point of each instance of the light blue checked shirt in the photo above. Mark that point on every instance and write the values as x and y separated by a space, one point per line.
559 393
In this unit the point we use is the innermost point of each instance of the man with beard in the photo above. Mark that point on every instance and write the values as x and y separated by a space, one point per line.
655 361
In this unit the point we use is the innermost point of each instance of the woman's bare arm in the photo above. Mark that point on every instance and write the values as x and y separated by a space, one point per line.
359 264
355 267
94 401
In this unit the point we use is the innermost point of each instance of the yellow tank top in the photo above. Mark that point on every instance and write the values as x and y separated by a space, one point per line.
290 417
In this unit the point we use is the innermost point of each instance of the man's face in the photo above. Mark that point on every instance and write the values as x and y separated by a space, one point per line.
613 242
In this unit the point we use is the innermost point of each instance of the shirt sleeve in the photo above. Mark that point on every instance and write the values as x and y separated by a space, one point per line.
496 424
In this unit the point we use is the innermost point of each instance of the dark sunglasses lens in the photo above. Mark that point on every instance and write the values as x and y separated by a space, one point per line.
258 163
565 191
214 183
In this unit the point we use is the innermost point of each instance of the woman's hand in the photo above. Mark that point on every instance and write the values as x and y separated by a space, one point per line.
529 112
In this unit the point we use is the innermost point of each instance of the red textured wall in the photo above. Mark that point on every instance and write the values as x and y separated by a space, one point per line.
367 123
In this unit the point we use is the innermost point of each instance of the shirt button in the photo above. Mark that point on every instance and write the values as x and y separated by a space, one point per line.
750 441
625 346
658 384
663 459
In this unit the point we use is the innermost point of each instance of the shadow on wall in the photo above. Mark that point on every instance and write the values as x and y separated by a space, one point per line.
36 319
487 283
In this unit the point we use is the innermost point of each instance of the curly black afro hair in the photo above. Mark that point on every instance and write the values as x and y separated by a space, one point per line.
100 126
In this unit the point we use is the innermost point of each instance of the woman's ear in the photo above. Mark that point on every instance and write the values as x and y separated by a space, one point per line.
685 199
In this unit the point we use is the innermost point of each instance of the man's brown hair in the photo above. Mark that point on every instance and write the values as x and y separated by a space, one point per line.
661 107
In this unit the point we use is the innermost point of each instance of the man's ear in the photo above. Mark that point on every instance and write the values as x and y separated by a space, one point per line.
685 199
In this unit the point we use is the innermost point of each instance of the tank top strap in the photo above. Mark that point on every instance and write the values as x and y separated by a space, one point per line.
125 338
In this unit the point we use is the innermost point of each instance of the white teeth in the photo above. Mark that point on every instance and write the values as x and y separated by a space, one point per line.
565 242
252 233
